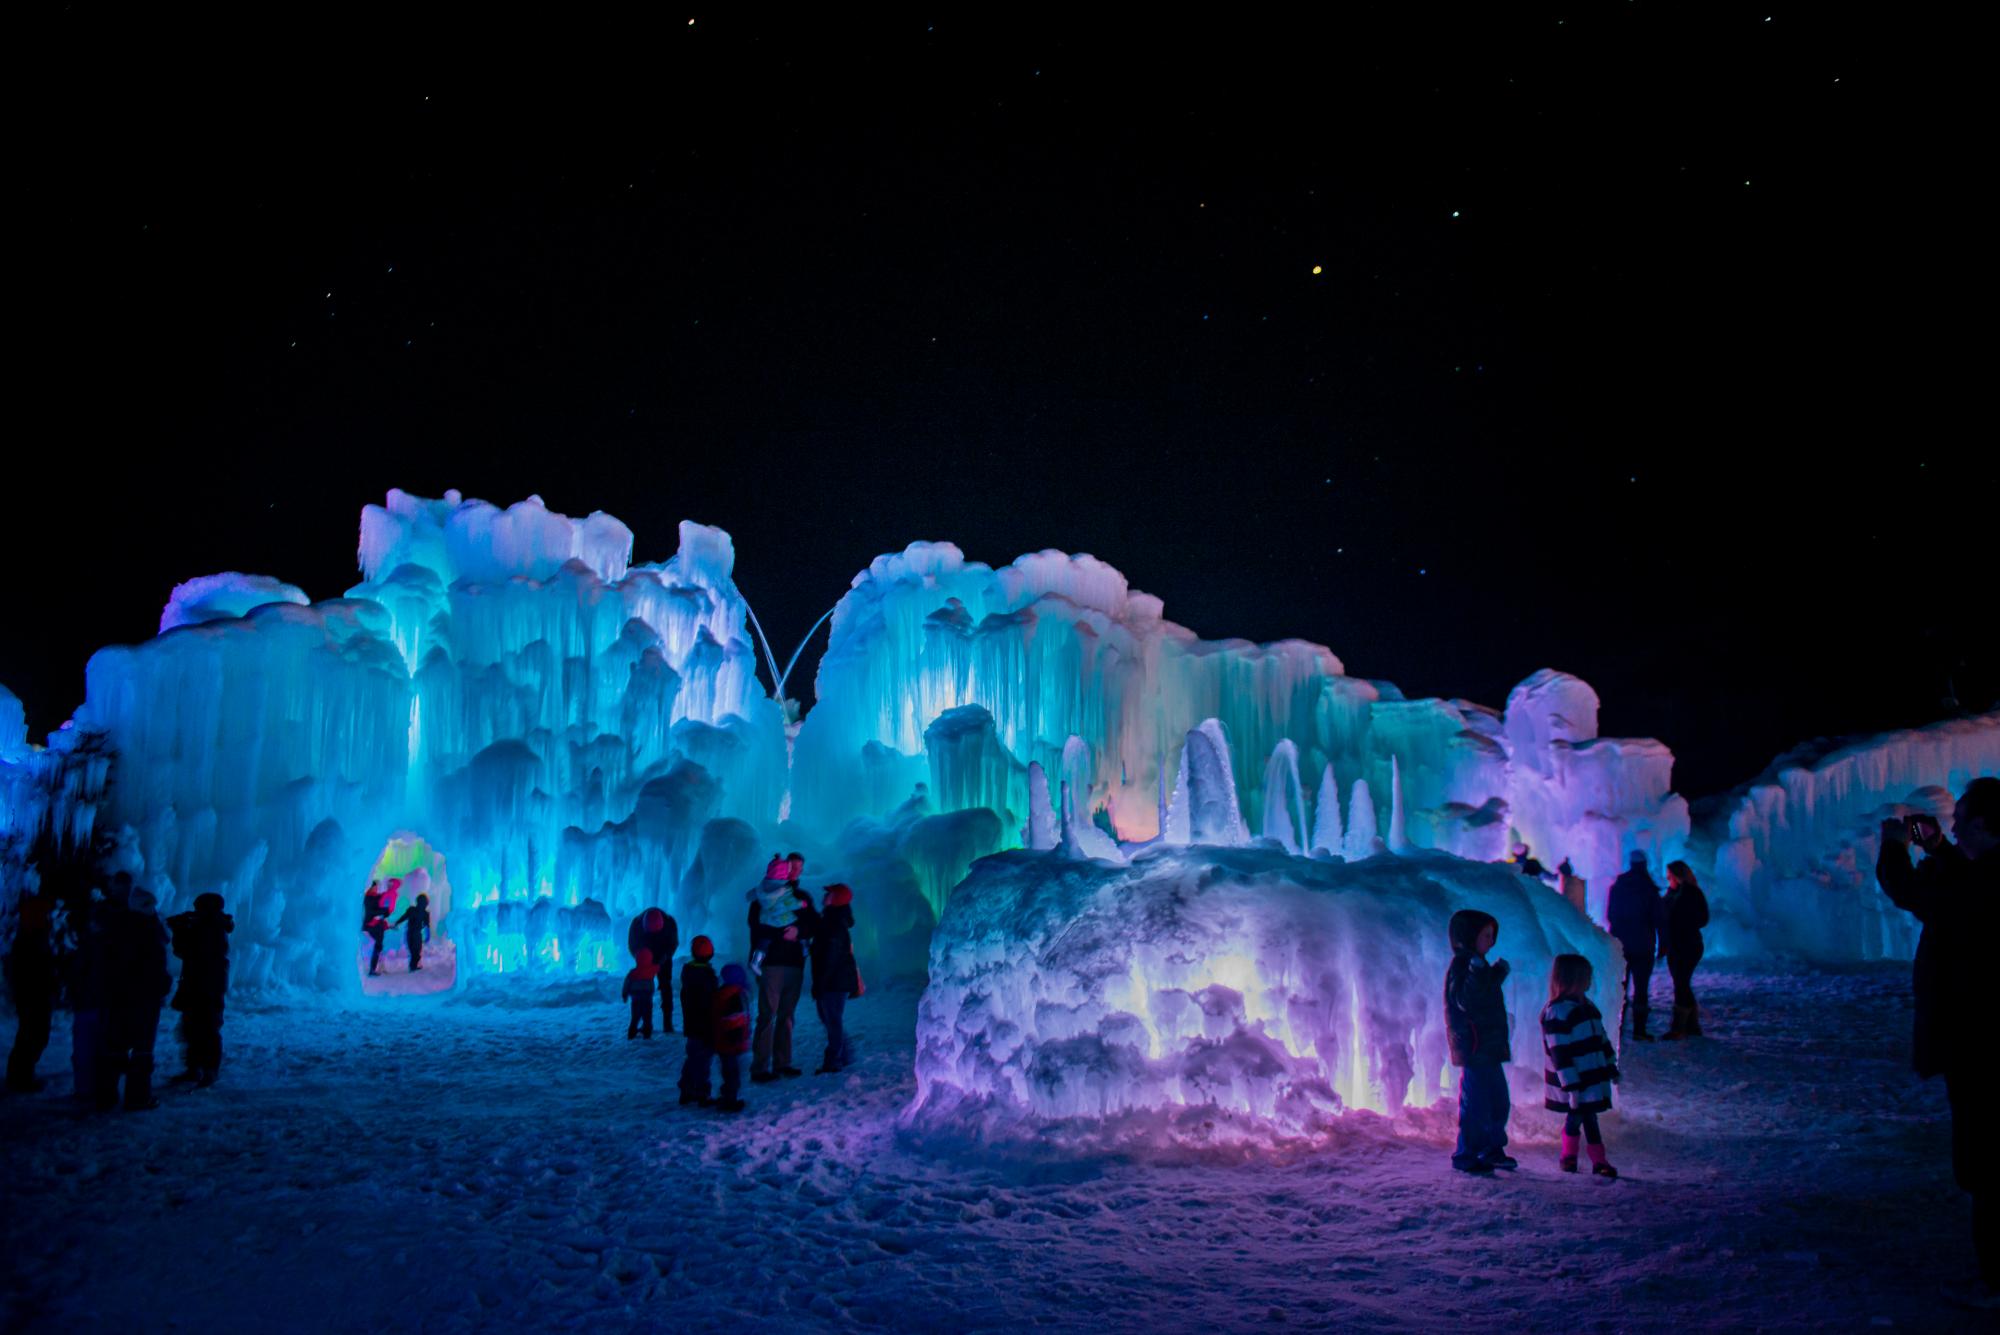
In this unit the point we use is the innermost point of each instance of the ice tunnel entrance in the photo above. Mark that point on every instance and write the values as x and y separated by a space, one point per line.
407 867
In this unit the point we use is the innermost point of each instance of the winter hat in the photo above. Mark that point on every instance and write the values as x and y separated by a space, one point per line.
209 902
703 948
1465 926
838 894
654 920
733 975
1638 857
780 869
425 900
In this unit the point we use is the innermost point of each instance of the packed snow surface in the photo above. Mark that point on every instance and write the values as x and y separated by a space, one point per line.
456 1167
1213 995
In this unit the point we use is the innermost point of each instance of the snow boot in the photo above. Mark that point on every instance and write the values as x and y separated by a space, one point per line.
1472 1166
789 1071
1568 1161
1501 1159
762 1077
1598 1164
730 1105
688 1097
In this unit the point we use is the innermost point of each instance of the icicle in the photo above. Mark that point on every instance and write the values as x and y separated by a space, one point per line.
1361 834
1326 815
1399 840
1282 797
1042 831
1213 813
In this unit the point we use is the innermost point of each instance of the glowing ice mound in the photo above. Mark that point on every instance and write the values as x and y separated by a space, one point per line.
1789 860
213 597
1218 995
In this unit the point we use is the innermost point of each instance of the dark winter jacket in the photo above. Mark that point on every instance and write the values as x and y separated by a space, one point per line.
201 940
779 952
415 922
1578 1064
834 972
373 914
1958 901
698 988
732 1021
1475 1007
135 961
1633 913
638 984
1685 910
31 964
663 940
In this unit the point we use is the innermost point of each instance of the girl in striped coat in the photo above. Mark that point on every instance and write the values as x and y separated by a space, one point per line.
1579 1066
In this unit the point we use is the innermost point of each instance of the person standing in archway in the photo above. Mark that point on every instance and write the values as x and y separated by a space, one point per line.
375 907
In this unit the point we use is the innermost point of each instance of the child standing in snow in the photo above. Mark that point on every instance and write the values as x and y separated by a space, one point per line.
639 991
698 989
1475 1017
1579 1066
732 1033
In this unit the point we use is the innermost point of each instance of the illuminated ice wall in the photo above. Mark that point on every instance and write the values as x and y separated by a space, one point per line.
1213 995
948 672
1789 860
568 728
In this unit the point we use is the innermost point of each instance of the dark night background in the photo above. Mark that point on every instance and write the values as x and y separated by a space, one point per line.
1632 352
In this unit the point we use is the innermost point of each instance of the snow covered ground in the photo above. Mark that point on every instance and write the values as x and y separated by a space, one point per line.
457 1167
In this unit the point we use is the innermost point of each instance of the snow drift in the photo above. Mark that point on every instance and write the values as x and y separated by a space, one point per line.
1218 995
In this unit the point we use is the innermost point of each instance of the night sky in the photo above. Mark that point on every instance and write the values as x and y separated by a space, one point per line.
1617 341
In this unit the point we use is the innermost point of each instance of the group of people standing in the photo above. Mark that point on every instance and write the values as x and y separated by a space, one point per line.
377 903
787 932
1580 1063
117 981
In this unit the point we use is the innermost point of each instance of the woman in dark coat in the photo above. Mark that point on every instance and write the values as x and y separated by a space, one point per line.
835 975
1686 913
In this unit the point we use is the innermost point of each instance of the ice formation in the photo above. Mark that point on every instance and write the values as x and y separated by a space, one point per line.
583 736
1789 860
1214 994
1055 647
504 685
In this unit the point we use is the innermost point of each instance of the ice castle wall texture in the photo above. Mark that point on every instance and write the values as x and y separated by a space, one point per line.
1218 995
1789 859
505 684
1057 646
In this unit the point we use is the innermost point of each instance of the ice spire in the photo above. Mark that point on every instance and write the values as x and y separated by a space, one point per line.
1214 817
1284 804
1080 838
1175 826
1361 835
1326 814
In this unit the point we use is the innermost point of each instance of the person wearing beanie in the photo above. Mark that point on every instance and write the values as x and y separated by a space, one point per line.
639 991
835 975
698 989
1632 913
782 923
200 938
655 930
1476 1031
416 925
732 1034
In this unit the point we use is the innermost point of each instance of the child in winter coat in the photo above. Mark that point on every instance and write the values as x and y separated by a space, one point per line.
698 989
416 925
200 937
732 1033
1579 1066
1475 1017
639 991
